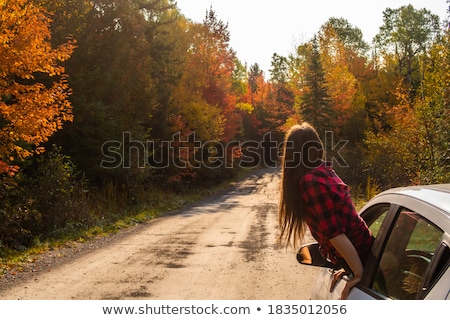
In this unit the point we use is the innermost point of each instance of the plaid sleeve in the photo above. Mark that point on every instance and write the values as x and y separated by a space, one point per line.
318 195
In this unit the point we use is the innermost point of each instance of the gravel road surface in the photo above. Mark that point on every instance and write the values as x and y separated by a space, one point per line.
222 248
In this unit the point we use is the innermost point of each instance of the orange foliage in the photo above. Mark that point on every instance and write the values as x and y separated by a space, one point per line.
207 81
33 86
341 83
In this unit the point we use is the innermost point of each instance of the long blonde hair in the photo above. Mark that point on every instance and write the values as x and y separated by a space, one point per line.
302 151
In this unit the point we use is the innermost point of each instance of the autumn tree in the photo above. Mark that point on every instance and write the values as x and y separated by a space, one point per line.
350 36
251 125
257 91
200 96
283 97
417 123
209 78
255 75
343 54
33 84
433 111
406 34
341 84
209 99
219 64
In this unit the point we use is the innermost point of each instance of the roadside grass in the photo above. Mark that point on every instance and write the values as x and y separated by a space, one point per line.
161 202
360 195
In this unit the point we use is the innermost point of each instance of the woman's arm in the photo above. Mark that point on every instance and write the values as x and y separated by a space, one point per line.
347 250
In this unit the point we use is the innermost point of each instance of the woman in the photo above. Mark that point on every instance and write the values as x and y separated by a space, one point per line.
313 196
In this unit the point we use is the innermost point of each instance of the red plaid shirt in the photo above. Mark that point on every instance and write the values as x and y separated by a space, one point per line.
330 212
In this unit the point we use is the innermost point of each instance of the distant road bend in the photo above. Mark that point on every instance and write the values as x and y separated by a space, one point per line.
223 248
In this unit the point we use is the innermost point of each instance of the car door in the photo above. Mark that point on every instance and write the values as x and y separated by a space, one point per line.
412 256
375 216
406 249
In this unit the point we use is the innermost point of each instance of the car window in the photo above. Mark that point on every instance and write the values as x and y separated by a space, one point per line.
406 256
376 225
375 215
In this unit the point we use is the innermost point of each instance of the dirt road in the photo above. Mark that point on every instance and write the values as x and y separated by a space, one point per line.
221 248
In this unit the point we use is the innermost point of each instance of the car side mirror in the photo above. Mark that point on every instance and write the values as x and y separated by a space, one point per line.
310 255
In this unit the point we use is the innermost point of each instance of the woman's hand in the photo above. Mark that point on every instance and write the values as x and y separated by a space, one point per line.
350 283
337 275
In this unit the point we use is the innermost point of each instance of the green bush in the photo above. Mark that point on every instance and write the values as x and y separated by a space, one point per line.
58 192
47 195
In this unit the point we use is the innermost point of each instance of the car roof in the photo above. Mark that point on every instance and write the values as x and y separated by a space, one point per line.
437 195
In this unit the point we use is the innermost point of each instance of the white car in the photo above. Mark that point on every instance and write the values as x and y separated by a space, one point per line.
410 257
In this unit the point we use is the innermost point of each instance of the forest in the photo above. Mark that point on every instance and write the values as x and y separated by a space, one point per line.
113 106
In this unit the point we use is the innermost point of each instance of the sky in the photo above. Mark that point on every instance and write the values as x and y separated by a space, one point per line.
260 28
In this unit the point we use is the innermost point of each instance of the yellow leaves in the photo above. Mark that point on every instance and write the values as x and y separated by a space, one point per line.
203 119
32 111
291 121
247 107
341 83
24 42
